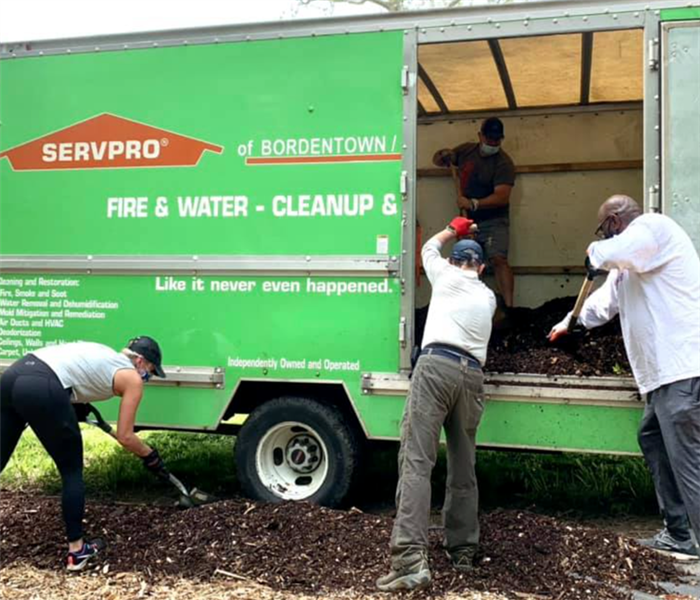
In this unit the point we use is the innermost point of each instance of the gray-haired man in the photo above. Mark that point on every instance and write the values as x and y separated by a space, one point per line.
654 285
446 390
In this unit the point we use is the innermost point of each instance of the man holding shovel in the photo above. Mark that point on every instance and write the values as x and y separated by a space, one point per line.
48 388
484 178
446 391
654 285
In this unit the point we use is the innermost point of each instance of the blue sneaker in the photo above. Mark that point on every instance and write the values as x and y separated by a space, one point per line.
78 560
665 542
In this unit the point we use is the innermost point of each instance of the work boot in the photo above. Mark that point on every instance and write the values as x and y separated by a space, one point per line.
413 574
665 542
462 559
78 560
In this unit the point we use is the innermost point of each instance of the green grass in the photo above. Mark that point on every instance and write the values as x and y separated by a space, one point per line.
586 484
581 484
200 460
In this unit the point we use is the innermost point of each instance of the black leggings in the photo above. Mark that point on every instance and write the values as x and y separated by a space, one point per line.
30 393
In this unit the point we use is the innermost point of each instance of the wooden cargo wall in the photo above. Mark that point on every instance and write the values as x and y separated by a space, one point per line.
568 165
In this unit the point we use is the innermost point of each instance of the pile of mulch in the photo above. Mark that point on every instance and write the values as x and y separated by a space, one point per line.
309 549
519 343
524 348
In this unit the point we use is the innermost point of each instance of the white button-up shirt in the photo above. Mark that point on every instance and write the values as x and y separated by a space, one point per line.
654 284
461 306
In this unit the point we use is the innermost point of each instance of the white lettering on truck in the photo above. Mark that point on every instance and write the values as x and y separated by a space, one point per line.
323 146
111 150
213 206
322 205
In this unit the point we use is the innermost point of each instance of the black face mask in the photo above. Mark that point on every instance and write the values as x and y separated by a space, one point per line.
603 232
145 376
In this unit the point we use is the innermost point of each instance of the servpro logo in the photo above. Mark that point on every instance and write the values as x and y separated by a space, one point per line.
108 142
97 151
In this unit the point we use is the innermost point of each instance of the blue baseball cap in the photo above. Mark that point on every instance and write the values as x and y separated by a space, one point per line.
467 250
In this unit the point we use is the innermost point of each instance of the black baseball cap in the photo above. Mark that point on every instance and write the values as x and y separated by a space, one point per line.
468 250
492 128
150 350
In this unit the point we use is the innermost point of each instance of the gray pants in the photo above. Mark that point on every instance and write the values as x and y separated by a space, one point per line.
450 393
669 437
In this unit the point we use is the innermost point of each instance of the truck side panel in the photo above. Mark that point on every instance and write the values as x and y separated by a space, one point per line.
240 203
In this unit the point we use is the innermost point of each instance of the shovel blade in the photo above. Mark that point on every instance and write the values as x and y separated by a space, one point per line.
200 497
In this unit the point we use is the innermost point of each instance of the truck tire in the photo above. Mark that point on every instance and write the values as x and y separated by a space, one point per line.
297 449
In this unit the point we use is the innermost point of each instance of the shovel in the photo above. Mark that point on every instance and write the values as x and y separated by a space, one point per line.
578 306
591 274
458 189
187 499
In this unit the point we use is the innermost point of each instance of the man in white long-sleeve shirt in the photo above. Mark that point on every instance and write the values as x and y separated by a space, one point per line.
654 285
447 389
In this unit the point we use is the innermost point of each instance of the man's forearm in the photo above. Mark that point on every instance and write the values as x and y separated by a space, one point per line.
493 201
442 237
133 443
602 305
635 249
431 249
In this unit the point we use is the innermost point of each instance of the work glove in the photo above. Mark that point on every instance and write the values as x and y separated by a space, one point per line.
154 463
461 226
591 272
560 329
82 411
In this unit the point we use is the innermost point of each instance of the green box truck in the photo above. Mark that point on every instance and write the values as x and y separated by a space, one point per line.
248 196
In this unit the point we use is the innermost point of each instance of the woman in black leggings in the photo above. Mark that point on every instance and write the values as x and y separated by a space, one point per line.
40 389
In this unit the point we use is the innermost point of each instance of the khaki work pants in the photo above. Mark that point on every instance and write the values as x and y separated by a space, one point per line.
447 393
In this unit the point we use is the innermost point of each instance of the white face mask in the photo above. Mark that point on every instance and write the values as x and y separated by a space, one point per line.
487 150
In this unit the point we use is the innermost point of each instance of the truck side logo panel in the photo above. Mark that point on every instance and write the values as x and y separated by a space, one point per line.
108 142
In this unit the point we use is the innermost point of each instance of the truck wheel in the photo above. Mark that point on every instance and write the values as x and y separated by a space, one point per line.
296 449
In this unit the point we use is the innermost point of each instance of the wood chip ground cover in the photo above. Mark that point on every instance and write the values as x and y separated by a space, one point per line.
305 549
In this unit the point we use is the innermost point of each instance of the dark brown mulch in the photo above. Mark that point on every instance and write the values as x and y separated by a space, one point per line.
521 344
524 347
305 548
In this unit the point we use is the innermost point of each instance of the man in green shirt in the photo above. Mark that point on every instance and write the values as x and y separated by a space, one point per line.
486 179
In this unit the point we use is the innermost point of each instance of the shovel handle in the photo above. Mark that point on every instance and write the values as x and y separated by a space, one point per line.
582 295
458 190
455 180
98 421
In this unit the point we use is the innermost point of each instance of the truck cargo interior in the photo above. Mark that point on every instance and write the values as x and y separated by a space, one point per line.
572 107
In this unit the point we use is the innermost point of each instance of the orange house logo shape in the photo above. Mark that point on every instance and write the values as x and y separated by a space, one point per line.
108 142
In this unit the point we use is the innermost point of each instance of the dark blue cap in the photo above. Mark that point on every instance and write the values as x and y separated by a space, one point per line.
492 128
150 350
467 250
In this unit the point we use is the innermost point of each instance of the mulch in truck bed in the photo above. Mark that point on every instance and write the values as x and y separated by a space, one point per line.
309 549
520 345
524 347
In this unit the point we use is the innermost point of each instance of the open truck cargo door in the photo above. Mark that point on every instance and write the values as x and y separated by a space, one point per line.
680 122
